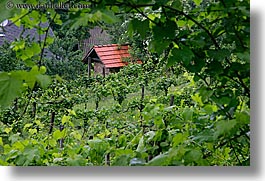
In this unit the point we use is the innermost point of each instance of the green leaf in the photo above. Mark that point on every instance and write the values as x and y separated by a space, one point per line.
8 9
181 23
135 139
8 130
65 119
31 153
52 142
159 2
58 134
76 135
19 145
99 145
78 160
27 53
43 80
166 32
242 118
160 160
172 60
83 20
150 135
187 114
109 17
158 46
204 136
178 138
197 99
177 4
218 55
164 144
209 109
244 56
33 131
190 23
35 48
224 127
18 45
183 55
139 26
141 146
122 160
197 2
1 142
57 20
119 152
28 125
44 19
215 68
49 40
30 77
10 88
193 156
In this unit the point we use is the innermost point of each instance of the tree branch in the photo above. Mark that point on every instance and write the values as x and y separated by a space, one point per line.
197 23
45 38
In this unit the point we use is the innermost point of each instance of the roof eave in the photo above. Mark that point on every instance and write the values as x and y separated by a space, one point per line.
84 60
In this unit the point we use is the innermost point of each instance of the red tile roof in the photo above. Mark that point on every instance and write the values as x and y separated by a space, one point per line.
112 55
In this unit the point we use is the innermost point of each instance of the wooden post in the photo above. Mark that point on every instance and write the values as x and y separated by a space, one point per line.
103 72
142 92
172 100
141 109
34 107
89 66
52 122
61 141
142 100
107 159
97 103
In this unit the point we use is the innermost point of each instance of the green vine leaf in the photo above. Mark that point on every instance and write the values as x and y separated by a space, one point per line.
184 55
10 88
160 160
8 9
224 127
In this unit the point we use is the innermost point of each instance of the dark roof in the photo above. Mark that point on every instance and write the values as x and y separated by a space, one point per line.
111 56
11 32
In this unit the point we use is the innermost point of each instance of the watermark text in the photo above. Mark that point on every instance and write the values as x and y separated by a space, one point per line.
61 5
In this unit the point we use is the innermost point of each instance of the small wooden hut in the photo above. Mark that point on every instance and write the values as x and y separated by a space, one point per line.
107 58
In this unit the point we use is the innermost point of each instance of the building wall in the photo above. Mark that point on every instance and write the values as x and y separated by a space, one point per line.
98 68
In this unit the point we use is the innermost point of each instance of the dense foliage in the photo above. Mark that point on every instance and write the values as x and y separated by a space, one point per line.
187 104
65 57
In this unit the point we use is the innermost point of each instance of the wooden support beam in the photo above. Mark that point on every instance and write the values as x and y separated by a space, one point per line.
103 72
96 60
89 66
